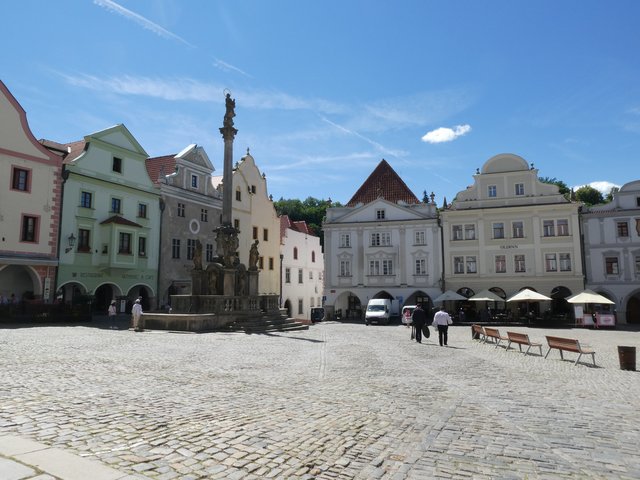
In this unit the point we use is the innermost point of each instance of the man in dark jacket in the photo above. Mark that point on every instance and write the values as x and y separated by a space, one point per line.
419 318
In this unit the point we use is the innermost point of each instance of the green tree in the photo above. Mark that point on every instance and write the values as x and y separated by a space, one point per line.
589 195
311 210
611 193
564 189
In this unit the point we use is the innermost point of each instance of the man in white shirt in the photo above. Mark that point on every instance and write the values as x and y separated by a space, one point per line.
136 313
442 320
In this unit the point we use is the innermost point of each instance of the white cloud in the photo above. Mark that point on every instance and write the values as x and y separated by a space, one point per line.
444 134
140 20
602 186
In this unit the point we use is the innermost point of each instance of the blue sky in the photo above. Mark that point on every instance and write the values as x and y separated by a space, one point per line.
324 90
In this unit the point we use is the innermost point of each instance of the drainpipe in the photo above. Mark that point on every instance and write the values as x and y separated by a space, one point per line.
442 259
281 259
161 205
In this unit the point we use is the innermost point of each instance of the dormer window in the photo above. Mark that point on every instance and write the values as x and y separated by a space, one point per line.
520 189
117 165
380 214
493 191
194 181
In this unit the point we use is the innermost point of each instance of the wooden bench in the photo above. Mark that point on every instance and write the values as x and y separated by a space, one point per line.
477 332
522 339
569 345
493 334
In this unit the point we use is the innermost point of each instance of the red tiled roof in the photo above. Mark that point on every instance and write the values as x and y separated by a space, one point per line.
285 223
120 221
385 183
75 150
164 165
301 226
298 225
57 148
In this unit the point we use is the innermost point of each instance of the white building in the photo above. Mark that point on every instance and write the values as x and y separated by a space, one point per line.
384 243
303 269
612 251
509 231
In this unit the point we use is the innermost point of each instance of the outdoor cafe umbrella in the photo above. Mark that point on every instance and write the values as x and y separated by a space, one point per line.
527 295
486 296
589 296
449 295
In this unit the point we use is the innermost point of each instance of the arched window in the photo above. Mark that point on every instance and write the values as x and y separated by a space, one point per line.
295 253
313 256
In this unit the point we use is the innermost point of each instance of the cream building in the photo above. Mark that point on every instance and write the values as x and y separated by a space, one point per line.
303 269
254 215
509 231
612 250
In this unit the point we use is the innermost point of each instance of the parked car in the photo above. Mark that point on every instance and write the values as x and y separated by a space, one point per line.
317 314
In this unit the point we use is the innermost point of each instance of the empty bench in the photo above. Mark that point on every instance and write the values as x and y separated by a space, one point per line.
522 339
493 335
477 332
569 345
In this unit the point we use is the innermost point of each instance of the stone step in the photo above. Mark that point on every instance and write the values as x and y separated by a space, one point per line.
267 324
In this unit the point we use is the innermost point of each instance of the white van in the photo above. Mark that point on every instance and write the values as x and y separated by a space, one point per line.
378 311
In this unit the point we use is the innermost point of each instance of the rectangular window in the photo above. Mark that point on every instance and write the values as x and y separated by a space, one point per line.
236 224
345 268
270 263
194 181
637 264
191 248
519 189
86 199
517 229
498 230
458 264
142 246
493 191
29 229
265 234
548 229
180 209
300 307
116 166
311 302
470 232
421 266
374 267
209 252
238 195
380 239
380 214
204 215
519 262
387 267
124 244
20 180
300 275
142 210
420 238
261 262
501 264
175 248
287 275
471 264
310 274
565 262
623 229
255 233
345 240
457 232
84 244
612 266
116 205
550 262
563 227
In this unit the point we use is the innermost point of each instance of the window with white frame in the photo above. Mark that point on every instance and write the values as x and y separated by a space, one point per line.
563 227
565 262
420 237
345 268
548 228
470 232
471 264
457 232
310 274
550 262
612 266
209 252
300 276
381 267
519 263
492 191
204 215
380 215
175 248
637 264
421 266
194 181
287 275
498 230
622 229
300 306
124 245
501 264
517 229
519 189
458 264
380 239
345 240
191 248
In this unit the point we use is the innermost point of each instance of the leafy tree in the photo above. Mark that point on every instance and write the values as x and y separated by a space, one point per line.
589 195
564 189
311 210
611 193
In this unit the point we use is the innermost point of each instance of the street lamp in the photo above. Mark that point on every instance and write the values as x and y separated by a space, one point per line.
72 242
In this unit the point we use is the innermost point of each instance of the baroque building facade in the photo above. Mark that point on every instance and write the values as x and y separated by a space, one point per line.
384 243
510 231
190 212
612 250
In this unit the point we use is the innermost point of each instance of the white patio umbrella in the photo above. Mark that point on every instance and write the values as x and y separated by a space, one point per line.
449 295
527 295
589 296
486 296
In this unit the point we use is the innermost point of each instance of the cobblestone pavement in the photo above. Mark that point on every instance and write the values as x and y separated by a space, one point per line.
339 401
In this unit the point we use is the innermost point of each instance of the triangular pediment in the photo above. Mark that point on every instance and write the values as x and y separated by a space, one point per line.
385 183
368 212
119 136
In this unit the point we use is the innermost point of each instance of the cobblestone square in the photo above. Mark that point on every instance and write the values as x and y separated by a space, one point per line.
339 401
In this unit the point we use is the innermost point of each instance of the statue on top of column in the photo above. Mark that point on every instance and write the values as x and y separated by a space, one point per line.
231 111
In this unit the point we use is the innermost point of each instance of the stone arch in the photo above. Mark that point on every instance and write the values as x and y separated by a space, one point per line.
142 291
21 280
633 308
103 294
288 308
348 306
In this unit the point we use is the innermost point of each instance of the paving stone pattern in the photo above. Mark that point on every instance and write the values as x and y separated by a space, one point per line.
339 401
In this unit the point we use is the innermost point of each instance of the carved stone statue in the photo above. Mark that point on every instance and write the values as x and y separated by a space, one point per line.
230 113
254 255
197 256
242 280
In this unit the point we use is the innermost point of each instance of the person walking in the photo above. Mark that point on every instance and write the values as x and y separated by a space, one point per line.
418 319
111 312
136 313
442 320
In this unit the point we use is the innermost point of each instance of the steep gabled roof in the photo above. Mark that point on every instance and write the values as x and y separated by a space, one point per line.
156 166
385 183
